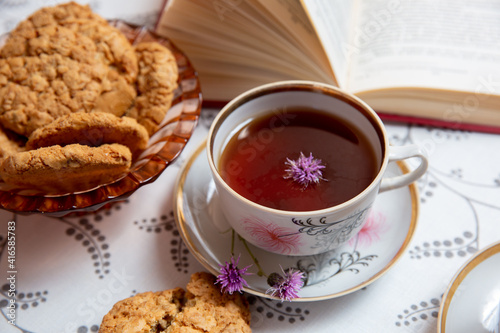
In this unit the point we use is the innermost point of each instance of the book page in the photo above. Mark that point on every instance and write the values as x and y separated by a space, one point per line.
445 44
291 15
334 22
227 40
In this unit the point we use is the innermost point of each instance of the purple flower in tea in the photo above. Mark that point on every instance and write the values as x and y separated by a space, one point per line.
285 286
304 170
231 277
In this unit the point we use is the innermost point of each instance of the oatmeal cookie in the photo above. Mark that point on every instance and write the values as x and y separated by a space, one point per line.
117 95
51 39
113 47
62 13
92 129
66 169
202 308
208 310
34 91
38 34
41 32
157 67
156 82
145 312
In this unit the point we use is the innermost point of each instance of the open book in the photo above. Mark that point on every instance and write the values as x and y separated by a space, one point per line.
433 62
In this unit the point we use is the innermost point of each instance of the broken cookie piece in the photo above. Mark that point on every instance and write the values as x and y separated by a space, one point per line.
202 308
208 310
146 312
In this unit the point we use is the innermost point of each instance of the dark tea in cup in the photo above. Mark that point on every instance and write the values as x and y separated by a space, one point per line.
255 160
297 166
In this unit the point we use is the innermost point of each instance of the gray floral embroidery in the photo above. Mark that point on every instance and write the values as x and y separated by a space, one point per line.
418 312
324 266
330 234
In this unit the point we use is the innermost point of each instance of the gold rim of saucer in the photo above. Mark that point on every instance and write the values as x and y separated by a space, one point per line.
459 277
181 222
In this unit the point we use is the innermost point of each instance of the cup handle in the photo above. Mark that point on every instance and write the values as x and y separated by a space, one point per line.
397 153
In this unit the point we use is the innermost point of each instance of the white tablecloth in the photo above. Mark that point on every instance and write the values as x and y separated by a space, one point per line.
70 271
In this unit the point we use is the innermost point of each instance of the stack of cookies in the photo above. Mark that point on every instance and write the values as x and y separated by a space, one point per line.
202 308
78 102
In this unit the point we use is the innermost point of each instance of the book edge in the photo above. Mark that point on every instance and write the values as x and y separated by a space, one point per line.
389 117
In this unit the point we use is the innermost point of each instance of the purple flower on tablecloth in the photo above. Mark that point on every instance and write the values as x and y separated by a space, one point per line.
285 286
304 170
272 237
372 229
231 277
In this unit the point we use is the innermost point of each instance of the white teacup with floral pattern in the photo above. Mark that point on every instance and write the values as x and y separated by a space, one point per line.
304 232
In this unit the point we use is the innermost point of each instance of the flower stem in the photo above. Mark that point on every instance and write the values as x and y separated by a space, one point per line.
255 260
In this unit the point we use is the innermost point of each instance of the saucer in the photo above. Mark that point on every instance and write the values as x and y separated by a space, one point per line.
369 255
472 300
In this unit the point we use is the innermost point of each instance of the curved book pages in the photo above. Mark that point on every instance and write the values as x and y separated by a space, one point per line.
426 62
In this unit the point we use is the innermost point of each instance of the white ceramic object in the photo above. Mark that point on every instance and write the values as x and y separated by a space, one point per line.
369 255
310 232
472 300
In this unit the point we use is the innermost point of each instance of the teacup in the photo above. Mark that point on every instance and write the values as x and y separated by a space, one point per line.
290 231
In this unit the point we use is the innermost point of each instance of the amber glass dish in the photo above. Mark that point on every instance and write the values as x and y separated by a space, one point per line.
163 148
